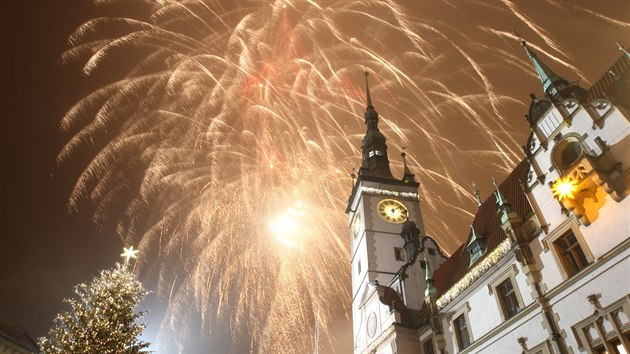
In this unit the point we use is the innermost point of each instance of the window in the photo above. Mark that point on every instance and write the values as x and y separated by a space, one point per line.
359 267
607 330
567 153
506 293
431 251
461 332
379 153
460 328
616 348
371 153
427 347
508 299
570 253
399 254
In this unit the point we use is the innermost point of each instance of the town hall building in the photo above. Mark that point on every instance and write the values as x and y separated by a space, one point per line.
546 265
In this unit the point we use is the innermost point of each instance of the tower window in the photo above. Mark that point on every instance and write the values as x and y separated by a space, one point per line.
571 254
431 251
507 298
399 254
379 153
461 332
359 267
567 153
371 153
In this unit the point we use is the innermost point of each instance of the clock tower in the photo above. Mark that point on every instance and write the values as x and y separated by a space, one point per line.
389 249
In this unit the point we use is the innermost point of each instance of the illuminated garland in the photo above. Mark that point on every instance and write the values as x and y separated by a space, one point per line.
385 192
475 273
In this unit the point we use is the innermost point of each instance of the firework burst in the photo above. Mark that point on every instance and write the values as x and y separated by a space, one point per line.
225 119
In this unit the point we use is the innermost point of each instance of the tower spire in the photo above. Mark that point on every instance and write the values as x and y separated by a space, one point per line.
367 91
554 85
375 161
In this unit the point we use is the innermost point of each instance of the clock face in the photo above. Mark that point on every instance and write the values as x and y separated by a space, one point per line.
392 211
371 324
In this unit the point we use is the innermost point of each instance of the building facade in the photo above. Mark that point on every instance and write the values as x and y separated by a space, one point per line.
546 265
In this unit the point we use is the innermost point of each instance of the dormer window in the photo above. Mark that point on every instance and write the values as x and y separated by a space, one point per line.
476 247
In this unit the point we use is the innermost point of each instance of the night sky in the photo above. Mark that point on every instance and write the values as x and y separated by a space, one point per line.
44 249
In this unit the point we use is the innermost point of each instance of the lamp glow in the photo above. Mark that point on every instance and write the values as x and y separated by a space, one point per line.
564 188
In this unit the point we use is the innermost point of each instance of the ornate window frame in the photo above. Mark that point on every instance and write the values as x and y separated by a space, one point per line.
510 274
548 244
562 141
463 311
606 324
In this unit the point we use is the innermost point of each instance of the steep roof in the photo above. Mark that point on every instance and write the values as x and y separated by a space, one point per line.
487 222
610 82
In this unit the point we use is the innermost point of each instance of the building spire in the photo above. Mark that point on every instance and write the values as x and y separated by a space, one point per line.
477 194
374 147
624 50
497 193
504 206
553 84
367 91
408 177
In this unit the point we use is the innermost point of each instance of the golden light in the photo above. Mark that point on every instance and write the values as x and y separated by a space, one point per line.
393 212
286 225
129 253
564 188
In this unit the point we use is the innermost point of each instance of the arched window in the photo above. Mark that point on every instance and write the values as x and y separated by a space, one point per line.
567 153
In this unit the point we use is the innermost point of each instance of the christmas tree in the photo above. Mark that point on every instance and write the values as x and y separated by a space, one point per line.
102 317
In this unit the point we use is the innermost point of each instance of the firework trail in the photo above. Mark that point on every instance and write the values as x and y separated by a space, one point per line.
227 136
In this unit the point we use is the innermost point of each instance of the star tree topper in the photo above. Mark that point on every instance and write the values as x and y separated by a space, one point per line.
129 253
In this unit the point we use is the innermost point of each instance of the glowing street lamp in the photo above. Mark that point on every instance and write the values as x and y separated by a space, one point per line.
564 188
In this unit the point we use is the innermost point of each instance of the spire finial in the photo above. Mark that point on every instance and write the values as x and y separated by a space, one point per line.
520 38
367 90
473 233
621 48
408 177
477 194
497 193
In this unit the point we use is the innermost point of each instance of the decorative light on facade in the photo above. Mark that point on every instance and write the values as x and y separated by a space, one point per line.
564 188
386 192
475 273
